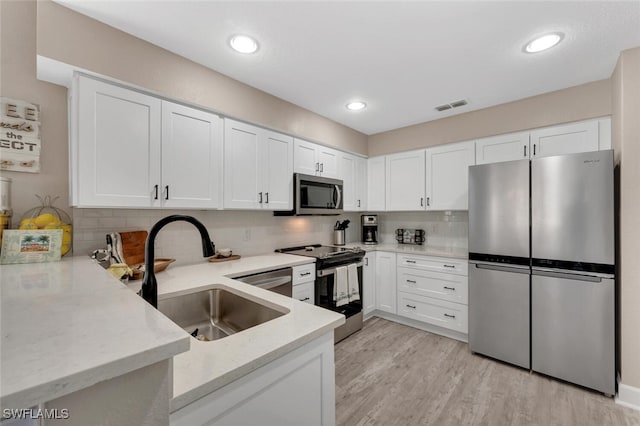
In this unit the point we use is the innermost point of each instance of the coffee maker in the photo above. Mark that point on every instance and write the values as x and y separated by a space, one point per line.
369 229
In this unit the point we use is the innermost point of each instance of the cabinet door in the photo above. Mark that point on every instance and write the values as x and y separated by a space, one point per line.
328 159
349 179
117 146
405 181
447 176
565 139
369 283
278 171
361 184
386 281
376 175
242 167
304 292
191 157
495 149
304 158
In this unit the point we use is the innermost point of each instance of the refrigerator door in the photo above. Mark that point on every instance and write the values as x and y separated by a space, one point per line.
573 329
499 210
572 217
499 312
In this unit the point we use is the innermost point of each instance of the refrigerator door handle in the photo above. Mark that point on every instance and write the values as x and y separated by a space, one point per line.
571 275
518 269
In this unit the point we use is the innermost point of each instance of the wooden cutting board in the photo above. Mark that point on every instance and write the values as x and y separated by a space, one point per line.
133 246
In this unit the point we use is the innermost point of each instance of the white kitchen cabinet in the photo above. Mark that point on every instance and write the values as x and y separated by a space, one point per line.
303 278
509 147
405 181
130 149
452 316
191 158
296 389
447 175
583 136
258 168
314 159
353 172
116 151
369 283
386 281
376 176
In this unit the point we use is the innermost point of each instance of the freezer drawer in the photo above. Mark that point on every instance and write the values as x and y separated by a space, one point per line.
573 330
499 313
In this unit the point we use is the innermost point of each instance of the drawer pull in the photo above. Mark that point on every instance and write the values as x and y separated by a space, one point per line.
449 266
410 306
304 300
411 281
410 261
449 288
449 316
304 274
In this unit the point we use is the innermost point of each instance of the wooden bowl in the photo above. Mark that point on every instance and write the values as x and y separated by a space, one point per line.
159 265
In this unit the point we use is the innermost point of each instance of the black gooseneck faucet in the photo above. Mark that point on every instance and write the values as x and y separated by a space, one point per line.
149 283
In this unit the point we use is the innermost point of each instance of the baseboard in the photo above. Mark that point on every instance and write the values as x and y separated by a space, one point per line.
628 396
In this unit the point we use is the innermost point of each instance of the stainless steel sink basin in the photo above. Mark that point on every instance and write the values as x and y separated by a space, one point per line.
215 313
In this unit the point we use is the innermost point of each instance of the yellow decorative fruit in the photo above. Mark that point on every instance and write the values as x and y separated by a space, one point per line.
66 238
51 226
45 219
28 225
65 249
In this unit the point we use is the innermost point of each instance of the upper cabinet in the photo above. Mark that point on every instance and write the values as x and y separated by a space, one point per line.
129 149
314 159
582 136
258 172
405 180
376 176
353 172
447 175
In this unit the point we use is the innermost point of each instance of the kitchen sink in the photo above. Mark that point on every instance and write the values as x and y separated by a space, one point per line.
215 313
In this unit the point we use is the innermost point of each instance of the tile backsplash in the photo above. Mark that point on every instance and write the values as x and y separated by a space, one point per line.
253 232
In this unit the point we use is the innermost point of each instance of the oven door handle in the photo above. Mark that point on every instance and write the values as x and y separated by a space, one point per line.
331 271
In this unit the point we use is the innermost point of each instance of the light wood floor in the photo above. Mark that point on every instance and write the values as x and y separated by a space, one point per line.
391 374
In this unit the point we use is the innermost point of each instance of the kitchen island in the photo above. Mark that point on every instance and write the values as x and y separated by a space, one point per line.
70 326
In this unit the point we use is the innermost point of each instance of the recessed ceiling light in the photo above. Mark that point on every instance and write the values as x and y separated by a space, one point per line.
543 43
356 105
243 44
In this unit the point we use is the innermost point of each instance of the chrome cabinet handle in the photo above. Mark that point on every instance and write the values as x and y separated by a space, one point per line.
358 203
410 306
428 203
166 188
449 288
304 300
410 261
260 195
411 281
304 274
449 316
155 188
421 202
267 197
525 150
317 167
321 167
449 266
534 149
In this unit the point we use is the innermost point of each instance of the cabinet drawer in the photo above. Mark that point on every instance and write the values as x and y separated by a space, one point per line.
304 273
444 314
434 264
449 287
303 292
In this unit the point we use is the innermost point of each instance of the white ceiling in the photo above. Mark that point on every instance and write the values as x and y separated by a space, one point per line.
401 58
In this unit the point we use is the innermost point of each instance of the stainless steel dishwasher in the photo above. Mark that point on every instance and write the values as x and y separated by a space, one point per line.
279 281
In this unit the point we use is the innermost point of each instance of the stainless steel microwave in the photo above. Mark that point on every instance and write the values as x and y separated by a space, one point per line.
315 195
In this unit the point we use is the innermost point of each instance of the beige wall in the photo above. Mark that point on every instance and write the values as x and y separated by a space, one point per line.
626 139
18 81
75 39
572 104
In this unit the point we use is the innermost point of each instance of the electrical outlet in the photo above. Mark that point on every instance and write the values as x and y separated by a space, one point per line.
247 235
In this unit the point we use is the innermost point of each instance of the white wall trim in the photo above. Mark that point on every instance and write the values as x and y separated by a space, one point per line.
628 396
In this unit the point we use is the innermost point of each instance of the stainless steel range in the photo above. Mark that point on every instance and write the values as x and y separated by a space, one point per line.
328 259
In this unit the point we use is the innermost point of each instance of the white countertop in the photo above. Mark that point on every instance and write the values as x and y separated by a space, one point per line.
68 325
207 366
424 250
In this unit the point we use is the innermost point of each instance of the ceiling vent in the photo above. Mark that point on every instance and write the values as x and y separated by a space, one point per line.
455 104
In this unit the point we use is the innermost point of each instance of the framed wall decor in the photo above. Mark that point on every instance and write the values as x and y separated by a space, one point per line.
31 246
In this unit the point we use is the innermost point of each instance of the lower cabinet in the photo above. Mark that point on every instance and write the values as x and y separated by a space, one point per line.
304 292
303 278
369 283
386 282
433 311
296 389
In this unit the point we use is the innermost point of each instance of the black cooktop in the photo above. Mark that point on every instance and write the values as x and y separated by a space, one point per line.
326 254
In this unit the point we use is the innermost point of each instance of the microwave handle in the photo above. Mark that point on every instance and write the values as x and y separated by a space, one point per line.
339 196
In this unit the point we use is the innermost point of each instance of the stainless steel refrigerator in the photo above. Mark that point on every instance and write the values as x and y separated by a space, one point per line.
541 266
